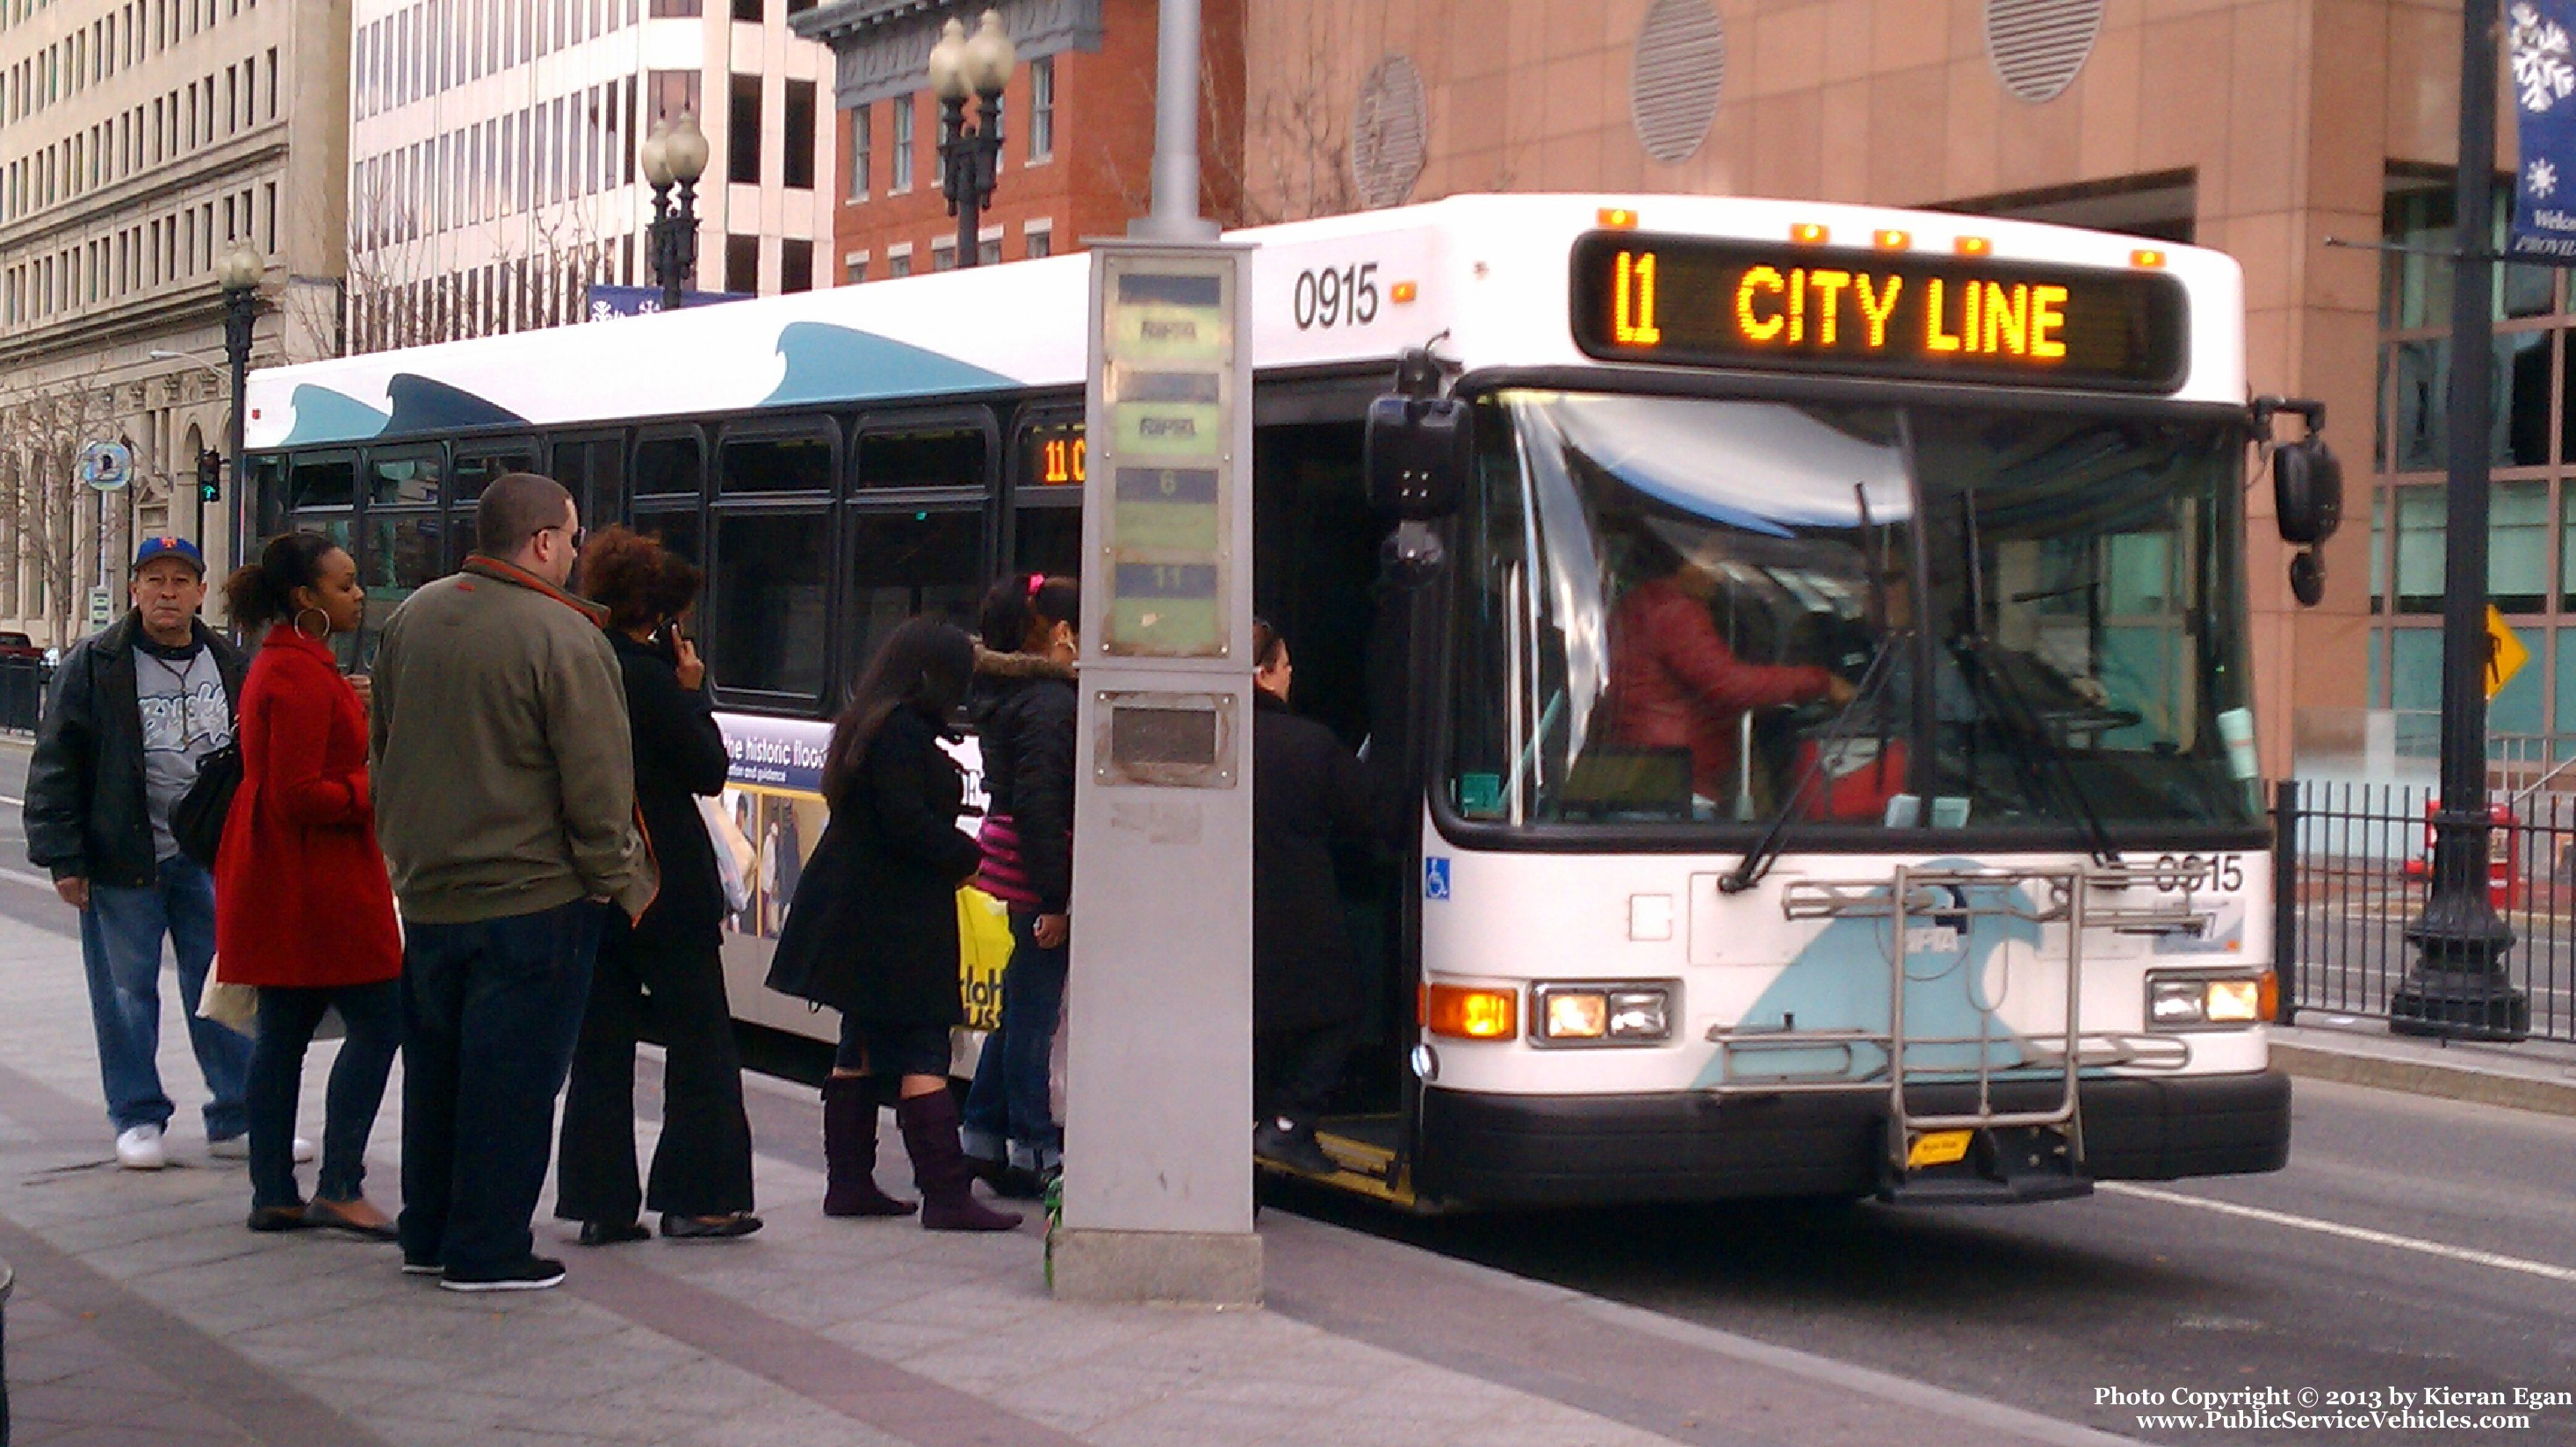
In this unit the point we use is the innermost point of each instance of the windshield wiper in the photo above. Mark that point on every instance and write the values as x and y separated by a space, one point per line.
1971 650
1766 850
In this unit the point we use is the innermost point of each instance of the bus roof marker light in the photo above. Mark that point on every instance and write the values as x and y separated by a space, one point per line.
1808 233
2147 257
1894 240
1404 292
1618 218
1974 246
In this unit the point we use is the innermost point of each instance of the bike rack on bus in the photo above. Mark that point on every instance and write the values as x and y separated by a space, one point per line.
2056 895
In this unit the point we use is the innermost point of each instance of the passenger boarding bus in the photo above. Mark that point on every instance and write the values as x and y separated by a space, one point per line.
1811 639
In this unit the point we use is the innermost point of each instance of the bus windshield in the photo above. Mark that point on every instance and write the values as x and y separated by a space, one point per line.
1694 612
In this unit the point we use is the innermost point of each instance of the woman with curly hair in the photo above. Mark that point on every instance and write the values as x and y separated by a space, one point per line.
668 962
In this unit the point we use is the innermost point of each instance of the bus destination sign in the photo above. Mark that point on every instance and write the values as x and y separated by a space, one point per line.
1694 302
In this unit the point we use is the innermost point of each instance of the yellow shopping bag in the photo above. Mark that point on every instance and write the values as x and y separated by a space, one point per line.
983 948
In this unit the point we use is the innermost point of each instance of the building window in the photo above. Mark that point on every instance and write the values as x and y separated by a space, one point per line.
862 133
742 264
988 248
854 268
795 265
742 142
1041 108
796 118
943 254
747 10
899 176
1041 241
671 92
899 261
2531 537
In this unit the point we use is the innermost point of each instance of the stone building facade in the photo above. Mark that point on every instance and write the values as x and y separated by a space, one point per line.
139 141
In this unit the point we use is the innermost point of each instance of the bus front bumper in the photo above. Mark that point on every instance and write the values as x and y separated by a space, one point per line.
1520 1150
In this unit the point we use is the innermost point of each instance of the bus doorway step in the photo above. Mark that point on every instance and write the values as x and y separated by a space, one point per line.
2001 1166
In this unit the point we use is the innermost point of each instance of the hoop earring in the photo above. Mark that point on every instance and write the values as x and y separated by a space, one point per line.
298 624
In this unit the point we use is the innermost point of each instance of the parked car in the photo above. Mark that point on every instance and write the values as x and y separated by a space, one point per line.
19 645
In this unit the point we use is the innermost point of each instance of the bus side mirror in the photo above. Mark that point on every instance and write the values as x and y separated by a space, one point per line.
2307 481
1416 456
2307 491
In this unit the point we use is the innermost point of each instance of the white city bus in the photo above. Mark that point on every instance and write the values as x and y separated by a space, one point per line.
1816 665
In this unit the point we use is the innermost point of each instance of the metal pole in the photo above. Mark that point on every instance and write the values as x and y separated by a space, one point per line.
2458 987
1176 130
241 314
666 266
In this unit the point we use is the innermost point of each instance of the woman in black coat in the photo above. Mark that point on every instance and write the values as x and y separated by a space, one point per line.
668 963
1307 996
872 928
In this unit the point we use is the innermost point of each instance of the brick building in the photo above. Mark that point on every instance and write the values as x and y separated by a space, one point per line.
1077 127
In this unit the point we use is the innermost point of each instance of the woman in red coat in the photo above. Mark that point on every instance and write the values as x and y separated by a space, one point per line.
303 910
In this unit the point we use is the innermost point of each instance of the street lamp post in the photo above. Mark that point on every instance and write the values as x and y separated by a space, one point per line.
239 272
969 157
2458 986
675 154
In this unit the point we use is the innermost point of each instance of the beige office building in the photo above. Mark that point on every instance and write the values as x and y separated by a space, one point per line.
2265 128
139 141
492 164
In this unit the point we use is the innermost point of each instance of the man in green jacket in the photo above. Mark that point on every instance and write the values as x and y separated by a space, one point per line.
505 801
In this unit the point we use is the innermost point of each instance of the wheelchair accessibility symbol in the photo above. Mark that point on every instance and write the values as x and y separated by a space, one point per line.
1435 879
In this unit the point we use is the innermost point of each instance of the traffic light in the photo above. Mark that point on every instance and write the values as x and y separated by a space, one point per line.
210 476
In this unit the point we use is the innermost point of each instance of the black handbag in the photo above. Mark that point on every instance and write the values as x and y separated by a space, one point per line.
197 820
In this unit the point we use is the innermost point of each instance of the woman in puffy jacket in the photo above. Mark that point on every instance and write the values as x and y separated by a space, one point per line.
303 909
1024 720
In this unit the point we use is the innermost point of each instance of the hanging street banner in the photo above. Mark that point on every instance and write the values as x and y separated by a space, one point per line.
2543 56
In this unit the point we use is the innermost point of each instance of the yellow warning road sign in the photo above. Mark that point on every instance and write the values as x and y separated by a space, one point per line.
2505 652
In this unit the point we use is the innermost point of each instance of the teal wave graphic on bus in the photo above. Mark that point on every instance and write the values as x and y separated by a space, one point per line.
322 415
827 363
1840 982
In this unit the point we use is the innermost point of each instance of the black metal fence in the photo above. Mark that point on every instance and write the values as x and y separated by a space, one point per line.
22 693
2351 871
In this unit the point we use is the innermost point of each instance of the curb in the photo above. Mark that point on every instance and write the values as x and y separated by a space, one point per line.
2449 1082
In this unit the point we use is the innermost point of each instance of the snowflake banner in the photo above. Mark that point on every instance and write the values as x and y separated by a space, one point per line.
2540 44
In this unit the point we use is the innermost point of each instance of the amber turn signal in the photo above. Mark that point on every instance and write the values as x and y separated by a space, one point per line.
1468 1013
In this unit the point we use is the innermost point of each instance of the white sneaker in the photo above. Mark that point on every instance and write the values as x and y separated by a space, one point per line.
237 1148
139 1149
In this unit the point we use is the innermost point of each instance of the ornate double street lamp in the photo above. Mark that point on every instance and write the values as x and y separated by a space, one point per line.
968 158
674 154
239 271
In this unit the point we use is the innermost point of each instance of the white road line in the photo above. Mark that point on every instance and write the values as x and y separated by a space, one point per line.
2541 1269
5 799
33 881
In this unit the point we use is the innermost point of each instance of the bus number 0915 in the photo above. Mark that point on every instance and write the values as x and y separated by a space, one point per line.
1344 298
2188 872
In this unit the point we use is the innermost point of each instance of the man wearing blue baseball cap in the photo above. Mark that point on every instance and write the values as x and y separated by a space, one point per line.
134 710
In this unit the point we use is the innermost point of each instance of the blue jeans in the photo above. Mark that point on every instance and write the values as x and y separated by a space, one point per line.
287 1018
121 934
490 1013
1008 1101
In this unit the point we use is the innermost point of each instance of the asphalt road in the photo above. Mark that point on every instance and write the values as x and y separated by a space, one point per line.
2413 1244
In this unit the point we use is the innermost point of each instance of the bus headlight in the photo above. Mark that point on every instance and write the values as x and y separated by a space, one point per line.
2187 1000
1595 1014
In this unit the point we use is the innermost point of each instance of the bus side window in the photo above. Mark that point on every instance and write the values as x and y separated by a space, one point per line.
671 466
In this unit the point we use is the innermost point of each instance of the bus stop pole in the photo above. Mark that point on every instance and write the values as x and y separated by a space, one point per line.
1156 1198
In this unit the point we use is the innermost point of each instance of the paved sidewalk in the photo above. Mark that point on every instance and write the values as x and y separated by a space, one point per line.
2530 1075
145 1313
